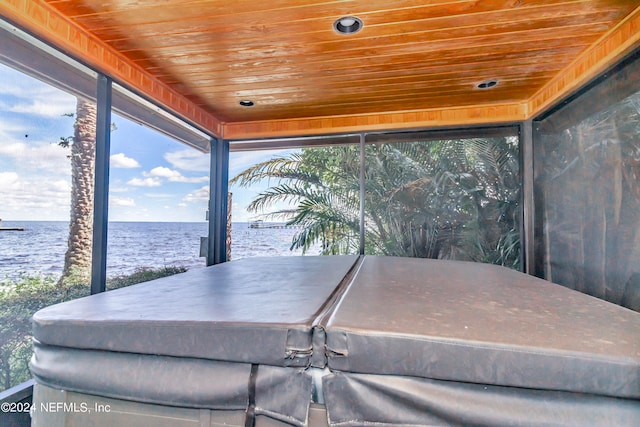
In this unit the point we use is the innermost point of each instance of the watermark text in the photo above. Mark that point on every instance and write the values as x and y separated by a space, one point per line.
55 407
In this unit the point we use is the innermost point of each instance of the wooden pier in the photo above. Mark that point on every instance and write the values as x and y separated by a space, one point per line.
10 228
259 224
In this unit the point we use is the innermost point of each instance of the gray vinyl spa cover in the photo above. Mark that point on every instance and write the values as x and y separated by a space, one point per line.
210 338
408 342
258 310
280 393
482 324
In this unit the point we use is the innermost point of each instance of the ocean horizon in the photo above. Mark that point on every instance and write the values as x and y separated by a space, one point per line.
131 245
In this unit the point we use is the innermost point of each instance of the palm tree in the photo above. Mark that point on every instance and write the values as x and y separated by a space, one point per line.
324 185
455 199
77 260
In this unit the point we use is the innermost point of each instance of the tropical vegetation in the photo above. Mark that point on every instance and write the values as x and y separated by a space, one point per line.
446 199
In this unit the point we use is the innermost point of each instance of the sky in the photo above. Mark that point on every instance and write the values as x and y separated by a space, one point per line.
152 177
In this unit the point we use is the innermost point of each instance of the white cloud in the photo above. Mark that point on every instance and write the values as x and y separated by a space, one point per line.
31 198
56 106
8 180
189 159
191 180
15 149
38 156
11 126
35 96
20 93
123 162
174 176
121 201
199 195
147 182
163 172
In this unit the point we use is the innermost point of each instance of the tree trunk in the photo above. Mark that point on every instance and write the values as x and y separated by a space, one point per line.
77 260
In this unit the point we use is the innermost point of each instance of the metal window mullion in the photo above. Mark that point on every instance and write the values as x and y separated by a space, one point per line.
221 200
101 191
362 194
213 169
526 174
218 206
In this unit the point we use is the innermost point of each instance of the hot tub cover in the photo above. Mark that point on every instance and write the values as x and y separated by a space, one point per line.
258 310
483 324
406 342
280 393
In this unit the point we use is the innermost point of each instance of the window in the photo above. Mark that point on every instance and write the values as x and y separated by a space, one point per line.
297 200
447 195
158 192
444 195
41 257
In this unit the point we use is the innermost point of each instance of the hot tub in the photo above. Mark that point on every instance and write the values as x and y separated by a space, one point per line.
340 341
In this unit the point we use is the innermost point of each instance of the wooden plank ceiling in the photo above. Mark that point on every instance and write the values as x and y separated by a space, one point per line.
414 63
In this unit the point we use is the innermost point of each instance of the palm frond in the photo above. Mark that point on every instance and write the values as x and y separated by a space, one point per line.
272 168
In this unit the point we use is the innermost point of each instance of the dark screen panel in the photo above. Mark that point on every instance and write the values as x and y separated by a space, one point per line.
587 190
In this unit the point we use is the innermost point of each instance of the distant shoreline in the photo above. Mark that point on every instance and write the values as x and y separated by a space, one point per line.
41 247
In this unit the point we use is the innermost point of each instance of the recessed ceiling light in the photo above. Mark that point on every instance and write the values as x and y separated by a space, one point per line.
487 84
247 103
347 25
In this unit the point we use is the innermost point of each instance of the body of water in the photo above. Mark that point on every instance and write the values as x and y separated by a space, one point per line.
40 248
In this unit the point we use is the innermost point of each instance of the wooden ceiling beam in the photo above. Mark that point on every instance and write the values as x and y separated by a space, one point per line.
471 115
46 23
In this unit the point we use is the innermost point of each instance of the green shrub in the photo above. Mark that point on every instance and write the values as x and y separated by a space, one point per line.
142 274
20 299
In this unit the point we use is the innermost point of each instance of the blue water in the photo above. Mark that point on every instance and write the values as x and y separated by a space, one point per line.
40 248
